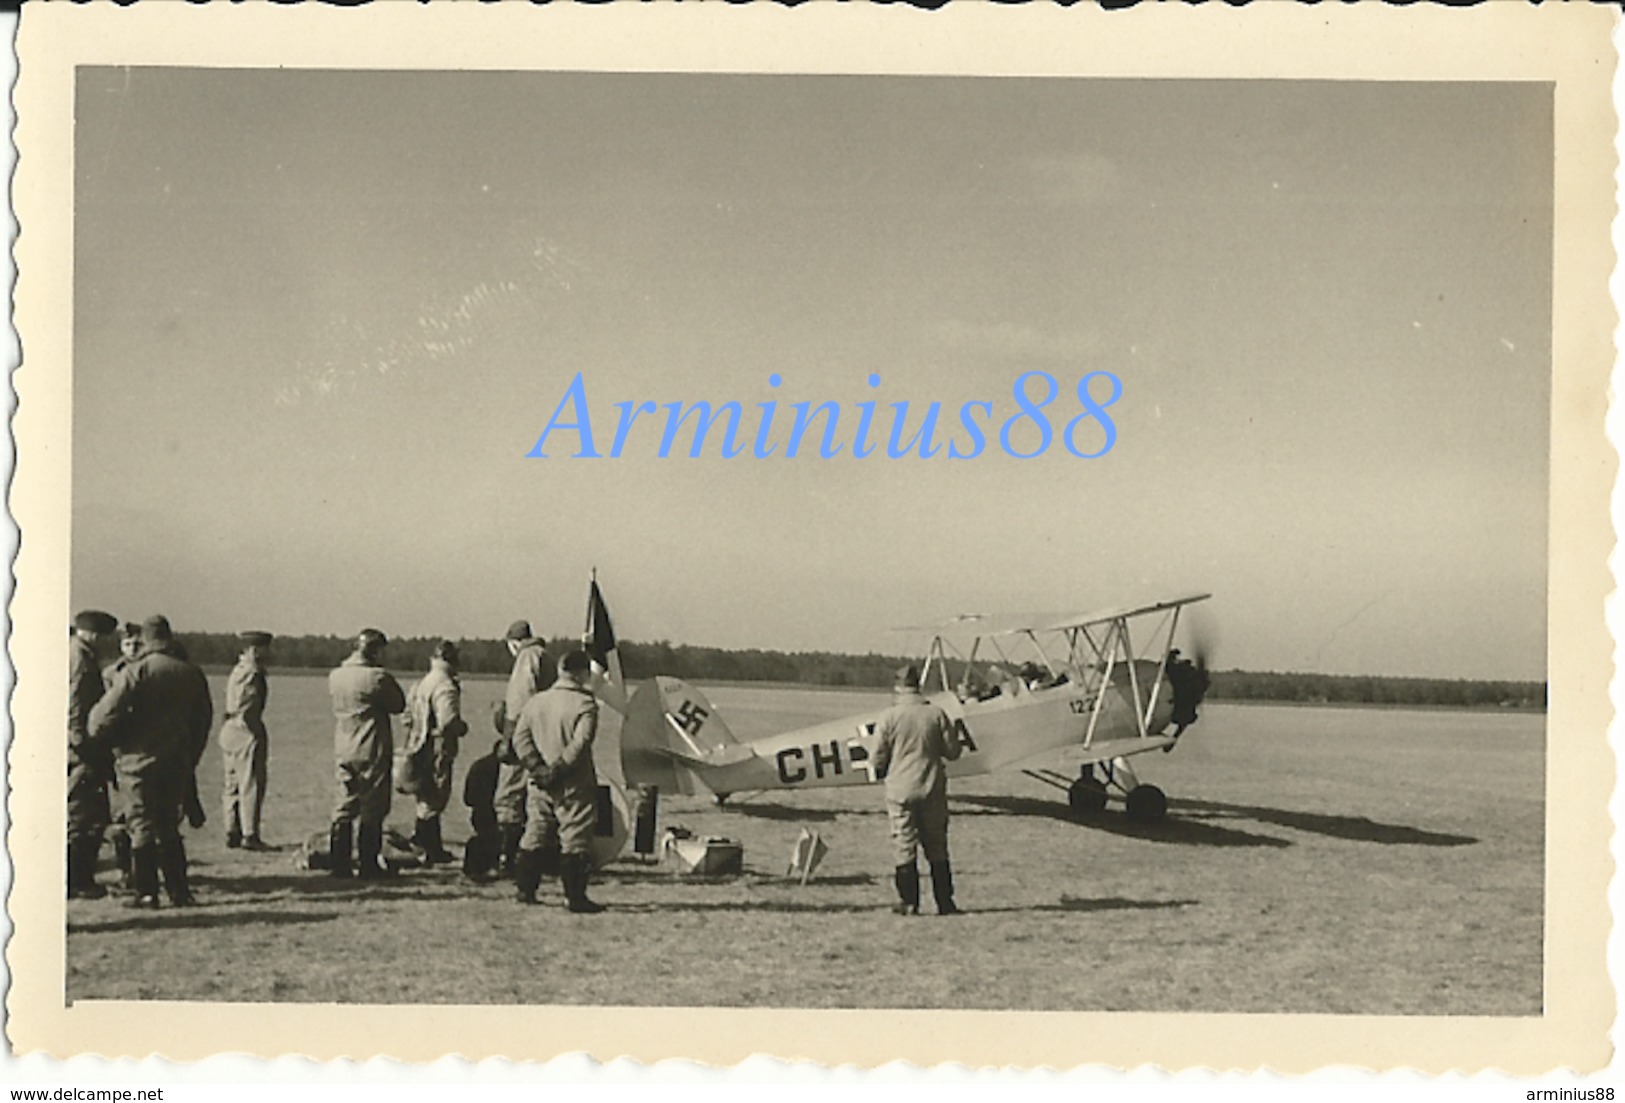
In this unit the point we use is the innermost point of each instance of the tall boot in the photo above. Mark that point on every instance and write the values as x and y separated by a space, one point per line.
369 846
573 872
121 858
172 861
338 846
82 869
942 887
480 857
511 834
234 829
144 873
527 875
434 847
907 879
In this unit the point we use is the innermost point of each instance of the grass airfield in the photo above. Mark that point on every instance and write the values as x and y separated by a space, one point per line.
1366 861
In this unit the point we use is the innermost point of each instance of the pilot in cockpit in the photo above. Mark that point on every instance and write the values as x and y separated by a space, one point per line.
974 686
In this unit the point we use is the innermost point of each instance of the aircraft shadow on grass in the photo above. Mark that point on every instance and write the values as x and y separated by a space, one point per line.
1177 830
1354 828
776 907
764 907
788 812
1093 904
655 874
204 917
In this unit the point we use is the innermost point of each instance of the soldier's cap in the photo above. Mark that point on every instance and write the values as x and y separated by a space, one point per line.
369 638
519 630
575 662
94 620
908 677
447 650
255 639
156 627
131 630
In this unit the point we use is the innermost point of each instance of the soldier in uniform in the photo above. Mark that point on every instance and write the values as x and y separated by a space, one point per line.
437 726
129 646
553 739
364 696
914 740
89 766
483 854
531 675
156 716
244 743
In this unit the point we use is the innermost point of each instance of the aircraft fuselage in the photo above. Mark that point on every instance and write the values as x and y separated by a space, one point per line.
1000 732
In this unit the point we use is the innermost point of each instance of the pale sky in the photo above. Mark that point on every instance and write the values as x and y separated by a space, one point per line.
322 317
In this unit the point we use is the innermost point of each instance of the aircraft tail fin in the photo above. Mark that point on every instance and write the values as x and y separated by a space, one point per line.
672 735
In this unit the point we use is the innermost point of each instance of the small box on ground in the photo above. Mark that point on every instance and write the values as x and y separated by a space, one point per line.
710 856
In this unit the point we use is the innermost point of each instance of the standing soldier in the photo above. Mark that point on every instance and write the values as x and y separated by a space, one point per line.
437 725
914 740
129 646
89 766
531 674
364 698
244 743
553 739
156 716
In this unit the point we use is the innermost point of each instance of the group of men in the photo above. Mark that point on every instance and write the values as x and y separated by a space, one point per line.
542 796
142 726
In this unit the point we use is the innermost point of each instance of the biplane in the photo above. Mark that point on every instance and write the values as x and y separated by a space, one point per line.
1039 694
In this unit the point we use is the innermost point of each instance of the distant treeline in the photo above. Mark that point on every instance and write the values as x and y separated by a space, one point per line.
1336 689
638 660
822 668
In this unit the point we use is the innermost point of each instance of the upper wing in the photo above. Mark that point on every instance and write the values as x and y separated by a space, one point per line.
977 624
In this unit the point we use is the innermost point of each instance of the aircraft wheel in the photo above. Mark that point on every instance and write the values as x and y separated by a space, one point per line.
1146 804
1087 797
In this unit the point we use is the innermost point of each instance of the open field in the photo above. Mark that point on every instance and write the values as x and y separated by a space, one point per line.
1315 860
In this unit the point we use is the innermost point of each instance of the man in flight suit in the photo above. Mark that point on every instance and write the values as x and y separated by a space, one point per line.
129 646
364 696
89 766
483 853
553 740
531 674
244 743
914 741
437 725
156 716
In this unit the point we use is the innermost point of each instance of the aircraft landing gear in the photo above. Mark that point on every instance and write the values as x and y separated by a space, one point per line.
1146 804
1087 795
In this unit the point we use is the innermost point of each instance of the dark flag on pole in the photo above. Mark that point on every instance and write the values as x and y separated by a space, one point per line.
599 642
